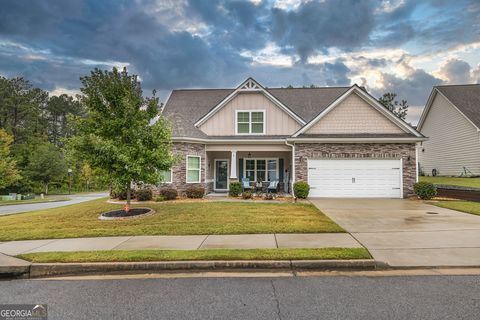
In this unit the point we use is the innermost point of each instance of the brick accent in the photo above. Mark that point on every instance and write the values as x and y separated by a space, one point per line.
304 151
179 176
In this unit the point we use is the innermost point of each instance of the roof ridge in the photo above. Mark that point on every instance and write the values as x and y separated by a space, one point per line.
267 88
457 85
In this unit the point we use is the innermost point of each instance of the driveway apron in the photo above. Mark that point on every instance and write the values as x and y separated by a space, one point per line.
408 233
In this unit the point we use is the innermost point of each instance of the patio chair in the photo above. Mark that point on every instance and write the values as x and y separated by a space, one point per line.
273 186
246 184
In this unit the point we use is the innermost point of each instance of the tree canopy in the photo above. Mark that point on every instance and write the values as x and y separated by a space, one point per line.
400 109
122 133
8 171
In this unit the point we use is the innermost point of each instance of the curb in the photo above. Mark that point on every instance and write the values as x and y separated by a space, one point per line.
38 270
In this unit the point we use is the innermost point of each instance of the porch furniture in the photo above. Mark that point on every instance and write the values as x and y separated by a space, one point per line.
246 184
273 186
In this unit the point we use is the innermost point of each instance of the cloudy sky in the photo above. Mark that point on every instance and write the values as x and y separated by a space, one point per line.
404 46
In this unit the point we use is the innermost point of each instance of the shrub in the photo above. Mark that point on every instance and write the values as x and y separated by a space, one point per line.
168 193
122 195
144 194
235 189
425 190
195 192
247 195
301 189
269 196
159 199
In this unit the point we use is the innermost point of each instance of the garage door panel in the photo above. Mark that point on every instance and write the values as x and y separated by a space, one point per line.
354 178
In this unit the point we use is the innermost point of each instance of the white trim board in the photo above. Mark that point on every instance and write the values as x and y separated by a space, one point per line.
370 100
249 85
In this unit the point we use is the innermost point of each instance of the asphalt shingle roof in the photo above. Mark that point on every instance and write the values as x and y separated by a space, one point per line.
186 106
466 98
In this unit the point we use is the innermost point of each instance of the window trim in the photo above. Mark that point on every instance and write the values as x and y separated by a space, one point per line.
171 177
199 169
250 122
244 176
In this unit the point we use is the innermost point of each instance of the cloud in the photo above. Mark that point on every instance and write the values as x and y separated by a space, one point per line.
415 87
456 71
317 26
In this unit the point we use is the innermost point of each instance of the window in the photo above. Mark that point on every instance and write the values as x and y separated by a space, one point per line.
250 122
261 169
166 176
193 169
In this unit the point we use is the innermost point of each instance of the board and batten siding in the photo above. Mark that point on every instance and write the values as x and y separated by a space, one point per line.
453 142
354 115
222 123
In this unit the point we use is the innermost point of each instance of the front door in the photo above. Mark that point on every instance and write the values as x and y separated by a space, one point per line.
221 174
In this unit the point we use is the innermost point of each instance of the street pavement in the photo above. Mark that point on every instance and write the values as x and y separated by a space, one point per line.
74 199
312 297
408 233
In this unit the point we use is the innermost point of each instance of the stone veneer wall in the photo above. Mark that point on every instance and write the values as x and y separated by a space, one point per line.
179 176
304 151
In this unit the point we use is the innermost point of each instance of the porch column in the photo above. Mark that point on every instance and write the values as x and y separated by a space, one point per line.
233 164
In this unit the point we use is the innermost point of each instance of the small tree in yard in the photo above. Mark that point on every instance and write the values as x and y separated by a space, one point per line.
8 170
400 109
119 134
46 164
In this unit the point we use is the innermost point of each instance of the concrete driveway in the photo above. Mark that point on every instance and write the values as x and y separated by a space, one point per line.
74 199
408 233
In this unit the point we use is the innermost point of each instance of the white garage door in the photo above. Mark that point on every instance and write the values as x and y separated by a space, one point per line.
355 178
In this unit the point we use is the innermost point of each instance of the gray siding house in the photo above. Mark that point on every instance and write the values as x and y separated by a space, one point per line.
338 139
451 120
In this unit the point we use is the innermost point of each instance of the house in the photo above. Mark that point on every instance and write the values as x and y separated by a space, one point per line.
338 139
451 120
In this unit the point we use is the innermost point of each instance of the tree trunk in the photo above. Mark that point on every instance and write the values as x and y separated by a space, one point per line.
46 188
129 197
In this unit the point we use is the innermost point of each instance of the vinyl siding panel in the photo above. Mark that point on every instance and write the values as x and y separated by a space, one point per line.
222 123
354 115
453 142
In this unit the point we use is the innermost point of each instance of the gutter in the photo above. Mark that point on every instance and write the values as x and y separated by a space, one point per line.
306 140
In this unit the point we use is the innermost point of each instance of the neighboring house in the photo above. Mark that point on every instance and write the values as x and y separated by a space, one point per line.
338 139
451 120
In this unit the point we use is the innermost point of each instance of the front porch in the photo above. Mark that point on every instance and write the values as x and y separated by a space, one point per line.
257 163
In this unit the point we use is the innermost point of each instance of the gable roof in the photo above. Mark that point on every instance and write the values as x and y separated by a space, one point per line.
185 107
249 85
466 98
368 99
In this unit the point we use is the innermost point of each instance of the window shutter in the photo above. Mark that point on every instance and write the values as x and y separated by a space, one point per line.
240 169
280 169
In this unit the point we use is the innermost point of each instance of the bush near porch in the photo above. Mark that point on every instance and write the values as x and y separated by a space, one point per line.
171 218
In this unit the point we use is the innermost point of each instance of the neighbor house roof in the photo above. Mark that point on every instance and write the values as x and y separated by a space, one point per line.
466 98
186 106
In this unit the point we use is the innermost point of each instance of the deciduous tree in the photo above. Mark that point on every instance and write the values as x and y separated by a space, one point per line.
122 132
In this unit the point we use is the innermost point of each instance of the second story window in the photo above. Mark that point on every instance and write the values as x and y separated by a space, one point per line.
250 122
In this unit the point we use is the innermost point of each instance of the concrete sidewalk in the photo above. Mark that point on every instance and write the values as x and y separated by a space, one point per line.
194 242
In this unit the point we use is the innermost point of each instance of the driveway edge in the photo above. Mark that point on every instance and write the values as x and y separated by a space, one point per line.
39 270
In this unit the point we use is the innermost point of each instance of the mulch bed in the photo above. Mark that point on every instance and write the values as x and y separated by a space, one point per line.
122 214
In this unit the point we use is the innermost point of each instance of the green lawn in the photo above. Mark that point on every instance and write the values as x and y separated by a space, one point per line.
171 218
211 254
464 206
36 200
453 181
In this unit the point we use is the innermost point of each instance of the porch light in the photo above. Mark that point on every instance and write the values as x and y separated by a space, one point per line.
249 155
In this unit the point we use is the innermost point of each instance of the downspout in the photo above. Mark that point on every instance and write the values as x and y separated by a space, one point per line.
293 164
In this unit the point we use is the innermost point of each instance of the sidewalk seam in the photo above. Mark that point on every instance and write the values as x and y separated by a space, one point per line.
122 242
276 242
23 252
201 244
